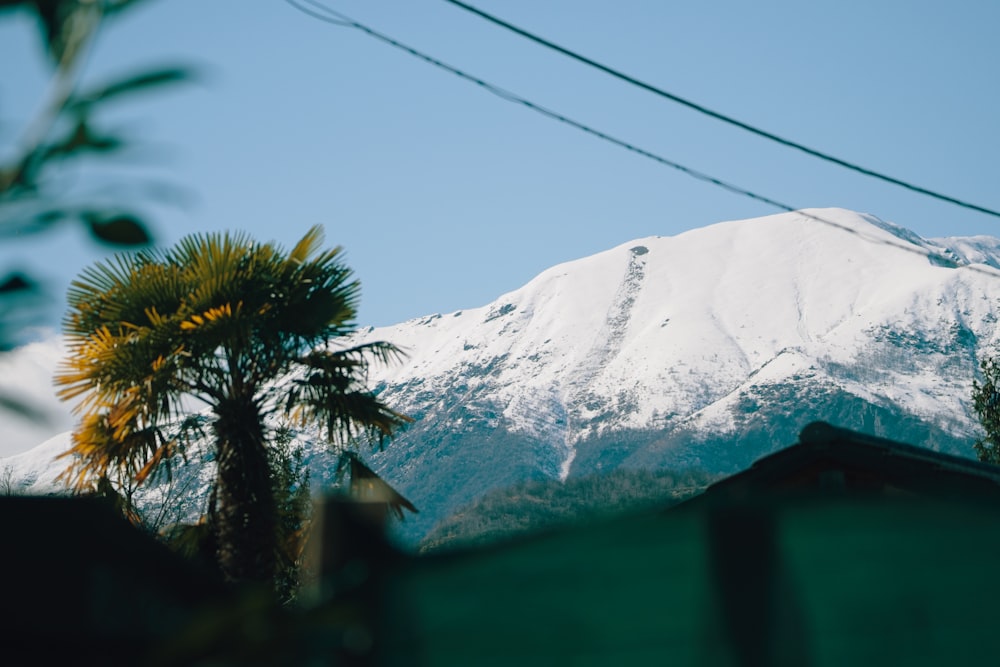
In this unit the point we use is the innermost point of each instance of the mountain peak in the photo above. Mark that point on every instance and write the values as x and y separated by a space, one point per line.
633 355
706 349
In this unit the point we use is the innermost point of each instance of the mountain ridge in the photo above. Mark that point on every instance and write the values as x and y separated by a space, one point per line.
677 342
702 350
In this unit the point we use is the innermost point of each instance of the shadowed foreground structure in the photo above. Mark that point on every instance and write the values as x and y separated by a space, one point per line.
82 584
842 549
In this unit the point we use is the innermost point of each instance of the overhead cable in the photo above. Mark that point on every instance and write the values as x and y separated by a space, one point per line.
718 115
323 13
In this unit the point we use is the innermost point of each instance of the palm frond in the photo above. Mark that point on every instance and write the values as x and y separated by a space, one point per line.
346 416
308 245
220 318
100 449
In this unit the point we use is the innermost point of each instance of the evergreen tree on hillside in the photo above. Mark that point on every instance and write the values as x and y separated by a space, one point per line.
218 318
986 404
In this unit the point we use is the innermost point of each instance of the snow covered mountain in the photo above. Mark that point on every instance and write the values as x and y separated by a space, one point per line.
707 349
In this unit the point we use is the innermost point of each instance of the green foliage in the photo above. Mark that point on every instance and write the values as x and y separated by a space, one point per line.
986 404
293 503
290 487
64 24
33 196
545 504
218 318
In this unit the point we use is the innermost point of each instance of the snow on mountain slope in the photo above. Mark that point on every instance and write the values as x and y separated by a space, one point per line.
713 335
35 471
660 316
707 349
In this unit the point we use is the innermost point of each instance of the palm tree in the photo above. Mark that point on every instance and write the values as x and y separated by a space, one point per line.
218 318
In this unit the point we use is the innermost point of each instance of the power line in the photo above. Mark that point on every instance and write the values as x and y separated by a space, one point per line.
718 115
323 13
339 19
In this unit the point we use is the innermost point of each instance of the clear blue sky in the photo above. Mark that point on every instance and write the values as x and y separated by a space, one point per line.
445 196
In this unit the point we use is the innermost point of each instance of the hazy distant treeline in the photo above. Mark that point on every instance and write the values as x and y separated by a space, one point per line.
540 505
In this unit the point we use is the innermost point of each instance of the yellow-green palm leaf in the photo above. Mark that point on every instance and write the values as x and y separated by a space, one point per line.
219 319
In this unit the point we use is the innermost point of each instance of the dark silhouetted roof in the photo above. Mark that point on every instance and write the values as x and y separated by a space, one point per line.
833 461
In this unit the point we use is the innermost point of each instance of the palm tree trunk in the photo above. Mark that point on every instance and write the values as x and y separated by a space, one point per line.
244 516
